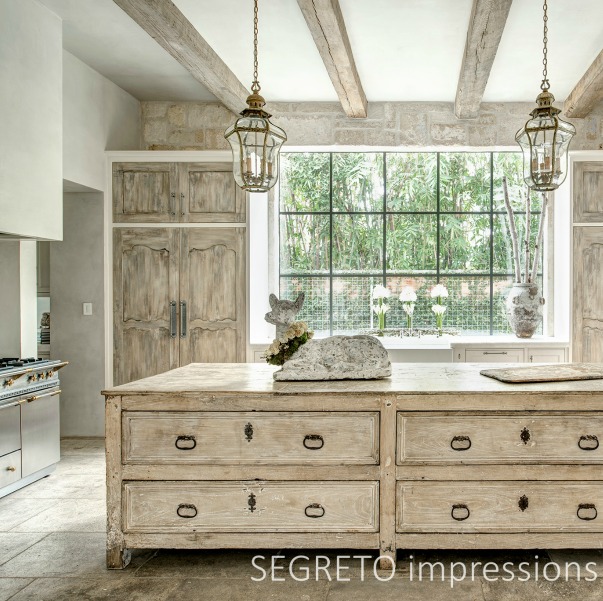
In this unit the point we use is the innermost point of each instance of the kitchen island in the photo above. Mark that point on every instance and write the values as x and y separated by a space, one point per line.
437 456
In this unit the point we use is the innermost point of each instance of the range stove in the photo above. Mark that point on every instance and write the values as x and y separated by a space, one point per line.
22 380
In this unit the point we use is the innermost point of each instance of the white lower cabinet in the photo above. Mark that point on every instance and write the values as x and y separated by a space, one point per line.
510 353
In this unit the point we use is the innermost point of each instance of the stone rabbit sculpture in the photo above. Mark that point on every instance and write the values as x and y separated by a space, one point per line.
283 312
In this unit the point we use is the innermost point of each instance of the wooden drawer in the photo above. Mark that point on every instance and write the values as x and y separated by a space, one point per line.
498 506
10 468
495 355
506 439
251 506
251 437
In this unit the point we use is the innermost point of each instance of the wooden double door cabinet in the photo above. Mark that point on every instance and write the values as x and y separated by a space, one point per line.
179 297
217 456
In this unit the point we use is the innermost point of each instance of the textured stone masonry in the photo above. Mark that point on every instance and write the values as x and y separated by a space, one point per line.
407 125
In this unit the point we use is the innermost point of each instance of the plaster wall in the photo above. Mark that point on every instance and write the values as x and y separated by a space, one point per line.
76 272
97 116
31 106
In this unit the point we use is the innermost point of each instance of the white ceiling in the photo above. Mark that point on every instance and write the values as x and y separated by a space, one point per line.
405 50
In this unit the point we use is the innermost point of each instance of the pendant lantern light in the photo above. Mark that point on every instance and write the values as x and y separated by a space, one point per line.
545 138
255 141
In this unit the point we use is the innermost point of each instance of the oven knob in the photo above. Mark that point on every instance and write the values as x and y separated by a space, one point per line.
9 382
49 374
42 375
33 378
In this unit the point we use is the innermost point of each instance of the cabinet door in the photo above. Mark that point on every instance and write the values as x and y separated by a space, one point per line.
546 355
40 434
212 294
588 192
144 192
208 193
587 311
145 293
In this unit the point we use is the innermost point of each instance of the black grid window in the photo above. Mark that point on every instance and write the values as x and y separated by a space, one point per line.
349 221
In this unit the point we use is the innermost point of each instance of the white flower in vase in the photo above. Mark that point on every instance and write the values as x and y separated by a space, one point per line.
439 291
380 291
408 297
439 311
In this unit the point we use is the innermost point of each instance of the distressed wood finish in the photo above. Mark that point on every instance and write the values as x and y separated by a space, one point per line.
208 193
212 284
536 438
486 25
251 506
497 506
327 27
145 281
587 313
588 192
145 192
587 92
251 438
404 501
164 22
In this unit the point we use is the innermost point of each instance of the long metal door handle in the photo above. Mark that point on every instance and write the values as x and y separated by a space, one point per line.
495 353
30 399
173 311
183 319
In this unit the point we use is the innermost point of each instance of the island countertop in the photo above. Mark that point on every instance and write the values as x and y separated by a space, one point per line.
220 379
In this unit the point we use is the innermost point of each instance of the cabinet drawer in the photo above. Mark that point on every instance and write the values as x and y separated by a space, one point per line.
10 429
10 468
494 355
251 506
251 437
546 355
508 439
498 506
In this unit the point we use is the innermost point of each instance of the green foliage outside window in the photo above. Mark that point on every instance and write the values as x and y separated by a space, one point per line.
351 220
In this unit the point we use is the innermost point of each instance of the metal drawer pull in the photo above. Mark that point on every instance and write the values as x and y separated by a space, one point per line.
523 503
495 353
173 312
460 443
314 442
315 510
186 510
248 432
251 502
525 436
589 442
183 321
186 443
460 512
11 468
587 507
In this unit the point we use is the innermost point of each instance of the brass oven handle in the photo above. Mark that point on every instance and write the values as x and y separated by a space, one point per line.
460 507
173 326
586 507
186 510
460 443
310 510
182 319
592 442
310 439
30 399
190 442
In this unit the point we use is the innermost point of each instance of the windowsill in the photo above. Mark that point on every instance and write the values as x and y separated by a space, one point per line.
449 342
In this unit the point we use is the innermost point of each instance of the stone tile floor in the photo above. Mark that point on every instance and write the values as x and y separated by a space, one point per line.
52 548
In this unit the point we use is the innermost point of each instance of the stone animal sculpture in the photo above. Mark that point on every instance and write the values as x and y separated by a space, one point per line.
283 312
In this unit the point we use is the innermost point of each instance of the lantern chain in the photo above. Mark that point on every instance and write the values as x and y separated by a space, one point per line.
545 80
255 86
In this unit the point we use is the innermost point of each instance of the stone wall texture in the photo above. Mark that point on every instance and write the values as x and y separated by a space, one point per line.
407 125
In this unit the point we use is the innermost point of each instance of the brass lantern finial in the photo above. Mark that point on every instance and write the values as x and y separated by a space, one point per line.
255 141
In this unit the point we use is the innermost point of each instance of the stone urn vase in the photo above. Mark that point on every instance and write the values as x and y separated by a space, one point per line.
524 309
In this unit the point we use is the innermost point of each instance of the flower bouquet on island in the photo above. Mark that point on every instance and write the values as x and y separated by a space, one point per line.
283 348
380 295
439 292
408 298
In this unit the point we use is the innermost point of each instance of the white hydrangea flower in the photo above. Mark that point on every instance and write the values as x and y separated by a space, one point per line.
438 309
380 291
408 295
439 290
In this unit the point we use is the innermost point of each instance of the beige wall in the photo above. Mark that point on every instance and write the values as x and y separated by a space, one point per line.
200 126
76 275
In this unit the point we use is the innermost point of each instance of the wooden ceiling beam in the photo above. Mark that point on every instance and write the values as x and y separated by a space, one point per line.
486 25
166 24
588 91
326 24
